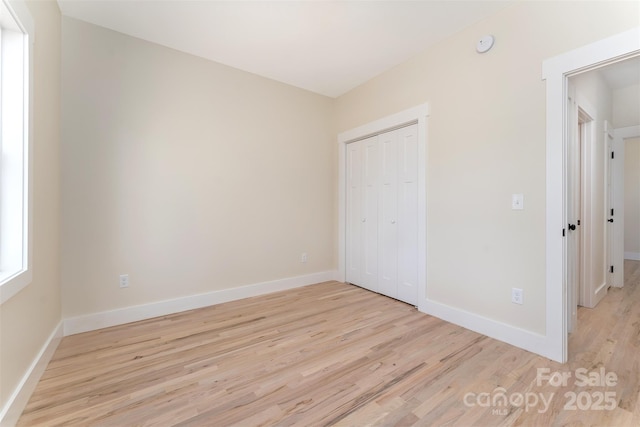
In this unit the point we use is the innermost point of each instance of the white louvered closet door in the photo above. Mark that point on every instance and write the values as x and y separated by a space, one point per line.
382 206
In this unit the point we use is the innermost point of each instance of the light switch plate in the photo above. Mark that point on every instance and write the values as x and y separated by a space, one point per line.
517 202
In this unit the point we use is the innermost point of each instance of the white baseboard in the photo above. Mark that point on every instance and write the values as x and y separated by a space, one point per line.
94 321
601 292
527 340
20 396
635 256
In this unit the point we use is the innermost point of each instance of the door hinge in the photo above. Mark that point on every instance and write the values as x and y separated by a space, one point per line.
613 155
578 222
611 269
563 232
611 212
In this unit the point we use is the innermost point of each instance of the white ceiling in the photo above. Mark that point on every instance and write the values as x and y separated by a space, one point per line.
327 47
622 74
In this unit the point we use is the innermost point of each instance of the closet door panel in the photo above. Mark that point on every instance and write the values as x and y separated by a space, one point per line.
369 277
388 246
408 214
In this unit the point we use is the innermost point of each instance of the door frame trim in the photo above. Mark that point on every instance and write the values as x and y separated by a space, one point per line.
418 114
556 71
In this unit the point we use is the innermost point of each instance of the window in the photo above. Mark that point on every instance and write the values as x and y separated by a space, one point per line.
16 31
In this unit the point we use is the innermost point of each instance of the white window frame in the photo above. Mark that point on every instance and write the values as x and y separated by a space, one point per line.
16 79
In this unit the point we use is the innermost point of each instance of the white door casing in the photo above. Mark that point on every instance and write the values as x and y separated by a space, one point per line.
610 210
353 212
574 209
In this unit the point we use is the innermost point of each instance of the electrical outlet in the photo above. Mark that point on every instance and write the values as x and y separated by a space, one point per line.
124 280
303 257
517 296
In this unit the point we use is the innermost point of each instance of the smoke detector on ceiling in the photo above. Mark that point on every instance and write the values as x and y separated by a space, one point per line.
485 43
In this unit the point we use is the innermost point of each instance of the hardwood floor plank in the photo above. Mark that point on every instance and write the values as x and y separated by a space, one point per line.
331 354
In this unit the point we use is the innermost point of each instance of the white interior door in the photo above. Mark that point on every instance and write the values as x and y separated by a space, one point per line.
617 204
408 214
370 171
362 213
573 209
389 214
609 210
612 262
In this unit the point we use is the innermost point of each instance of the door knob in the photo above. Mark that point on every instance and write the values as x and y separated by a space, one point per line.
393 221
610 220
572 227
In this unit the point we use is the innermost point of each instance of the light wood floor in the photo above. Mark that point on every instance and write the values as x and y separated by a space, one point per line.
332 354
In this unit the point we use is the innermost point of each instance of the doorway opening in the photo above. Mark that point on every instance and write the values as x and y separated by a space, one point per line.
556 73
632 198
626 143
594 209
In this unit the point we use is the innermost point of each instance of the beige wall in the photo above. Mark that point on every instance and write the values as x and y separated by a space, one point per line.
29 318
487 141
244 169
187 175
626 106
632 196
